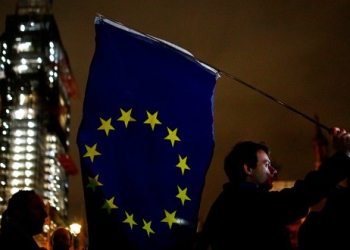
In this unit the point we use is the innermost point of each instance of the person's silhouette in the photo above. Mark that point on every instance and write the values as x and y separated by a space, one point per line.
24 217
61 239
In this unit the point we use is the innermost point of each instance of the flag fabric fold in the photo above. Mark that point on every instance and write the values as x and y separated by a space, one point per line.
145 141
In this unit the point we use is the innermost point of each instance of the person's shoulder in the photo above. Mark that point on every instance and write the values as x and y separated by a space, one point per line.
5 243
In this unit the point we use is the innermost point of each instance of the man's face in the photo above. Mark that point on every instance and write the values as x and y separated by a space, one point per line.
263 173
34 215
61 239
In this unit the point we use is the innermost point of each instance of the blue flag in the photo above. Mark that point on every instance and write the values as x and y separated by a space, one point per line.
145 141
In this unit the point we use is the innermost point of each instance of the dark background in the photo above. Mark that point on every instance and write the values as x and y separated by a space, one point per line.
298 51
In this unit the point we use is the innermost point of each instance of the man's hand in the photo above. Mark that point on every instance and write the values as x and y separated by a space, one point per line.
341 140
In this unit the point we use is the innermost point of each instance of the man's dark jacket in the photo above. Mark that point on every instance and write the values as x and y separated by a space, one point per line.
328 228
245 216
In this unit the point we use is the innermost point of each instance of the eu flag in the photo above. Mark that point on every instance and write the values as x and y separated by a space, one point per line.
145 141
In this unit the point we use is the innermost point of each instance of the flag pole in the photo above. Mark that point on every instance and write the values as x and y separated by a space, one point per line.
276 100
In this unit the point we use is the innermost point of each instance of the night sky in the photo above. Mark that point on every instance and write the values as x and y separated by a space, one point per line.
296 51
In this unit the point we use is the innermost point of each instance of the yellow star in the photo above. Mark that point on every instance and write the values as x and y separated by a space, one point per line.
106 125
172 136
126 117
183 164
152 119
182 195
93 183
91 152
147 227
109 205
129 219
170 218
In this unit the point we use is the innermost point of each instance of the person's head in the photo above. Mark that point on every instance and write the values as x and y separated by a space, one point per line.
249 162
61 239
27 209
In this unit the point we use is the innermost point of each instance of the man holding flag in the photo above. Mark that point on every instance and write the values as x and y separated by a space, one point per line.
246 215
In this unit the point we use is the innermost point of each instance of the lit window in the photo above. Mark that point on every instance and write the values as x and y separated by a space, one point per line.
24 47
15 174
28 182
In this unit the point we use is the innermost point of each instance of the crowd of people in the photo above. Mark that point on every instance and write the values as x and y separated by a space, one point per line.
245 215
23 219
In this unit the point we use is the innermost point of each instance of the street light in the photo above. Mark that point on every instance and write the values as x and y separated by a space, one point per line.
75 230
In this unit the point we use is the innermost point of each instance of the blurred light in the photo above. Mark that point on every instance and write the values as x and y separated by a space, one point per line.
18 157
18 133
18 149
29 165
30 148
75 228
22 68
31 132
22 99
31 124
28 173
19 141
17 165
14 190
30 140
15 182
24 47
19 114
28 182
30 157
15 174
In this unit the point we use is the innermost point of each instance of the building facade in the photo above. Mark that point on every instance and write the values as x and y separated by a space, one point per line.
36 87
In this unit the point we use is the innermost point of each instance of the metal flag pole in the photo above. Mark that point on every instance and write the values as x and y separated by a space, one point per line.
276 100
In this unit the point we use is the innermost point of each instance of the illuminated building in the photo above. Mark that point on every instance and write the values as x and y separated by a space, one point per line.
36 86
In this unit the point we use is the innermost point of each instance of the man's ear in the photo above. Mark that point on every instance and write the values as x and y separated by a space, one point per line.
247 169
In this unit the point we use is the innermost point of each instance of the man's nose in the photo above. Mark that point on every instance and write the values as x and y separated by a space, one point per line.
272 170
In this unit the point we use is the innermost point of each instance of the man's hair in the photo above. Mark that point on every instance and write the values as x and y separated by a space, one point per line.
60 228
244 152
19 200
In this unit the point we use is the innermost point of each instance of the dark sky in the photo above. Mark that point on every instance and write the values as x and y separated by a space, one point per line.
295 50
